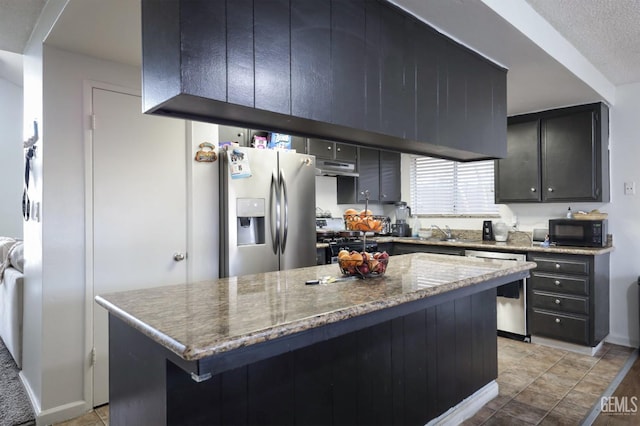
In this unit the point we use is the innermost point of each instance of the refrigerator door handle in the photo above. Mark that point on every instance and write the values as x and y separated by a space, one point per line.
274 195
285 199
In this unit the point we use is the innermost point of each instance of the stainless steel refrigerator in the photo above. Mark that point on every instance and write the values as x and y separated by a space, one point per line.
267 212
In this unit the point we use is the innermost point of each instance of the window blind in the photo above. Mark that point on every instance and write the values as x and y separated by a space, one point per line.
449 187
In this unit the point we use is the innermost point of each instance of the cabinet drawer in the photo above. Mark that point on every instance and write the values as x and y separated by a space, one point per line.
568 328
559 283
566 266
561 303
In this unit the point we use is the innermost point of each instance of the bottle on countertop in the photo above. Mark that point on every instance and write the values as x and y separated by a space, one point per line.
569 213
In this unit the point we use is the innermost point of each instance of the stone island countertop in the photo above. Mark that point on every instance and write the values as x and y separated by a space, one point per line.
209 318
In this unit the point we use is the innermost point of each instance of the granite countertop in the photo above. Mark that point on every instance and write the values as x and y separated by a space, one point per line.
518 243
209 318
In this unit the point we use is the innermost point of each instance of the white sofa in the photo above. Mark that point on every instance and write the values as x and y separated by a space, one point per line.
11 296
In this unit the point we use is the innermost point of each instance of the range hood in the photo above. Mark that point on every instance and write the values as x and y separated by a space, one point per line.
335 168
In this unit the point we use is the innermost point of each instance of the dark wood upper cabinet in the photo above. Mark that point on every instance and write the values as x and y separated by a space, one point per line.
355 71
240 63
311 59
557 155
272 53
348 60
517 176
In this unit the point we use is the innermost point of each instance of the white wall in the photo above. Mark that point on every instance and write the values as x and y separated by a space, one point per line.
55 371
624 212
11 159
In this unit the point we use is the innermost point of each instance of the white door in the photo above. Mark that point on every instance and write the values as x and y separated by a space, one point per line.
139 208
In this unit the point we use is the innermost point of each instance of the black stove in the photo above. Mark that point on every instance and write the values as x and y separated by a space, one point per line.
346 243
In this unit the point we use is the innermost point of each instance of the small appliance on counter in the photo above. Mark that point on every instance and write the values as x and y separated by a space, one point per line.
575 232
487 230
401 228
500 232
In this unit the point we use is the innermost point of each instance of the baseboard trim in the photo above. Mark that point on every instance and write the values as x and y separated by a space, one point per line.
591 417
55 414
622 341
583 350
468 407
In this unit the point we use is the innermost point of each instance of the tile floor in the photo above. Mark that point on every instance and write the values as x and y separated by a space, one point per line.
544 386
538 386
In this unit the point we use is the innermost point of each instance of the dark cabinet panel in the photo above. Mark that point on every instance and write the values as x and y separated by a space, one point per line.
517 177
310 59
332 150
428 50
379 173
569 155
348 63
240 65
204 47
369 170
321 148
272 56
161 51
346 152
479 102
390 189
392 94
556 155
372 104
453 105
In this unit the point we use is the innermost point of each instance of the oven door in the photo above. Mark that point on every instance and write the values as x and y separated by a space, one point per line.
512 299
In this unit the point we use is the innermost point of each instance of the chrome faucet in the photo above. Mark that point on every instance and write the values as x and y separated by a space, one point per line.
447 233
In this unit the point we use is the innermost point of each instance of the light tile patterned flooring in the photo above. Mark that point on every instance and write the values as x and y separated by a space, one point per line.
538 386
544 386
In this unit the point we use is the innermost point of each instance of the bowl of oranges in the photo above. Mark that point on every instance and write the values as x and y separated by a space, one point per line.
363 264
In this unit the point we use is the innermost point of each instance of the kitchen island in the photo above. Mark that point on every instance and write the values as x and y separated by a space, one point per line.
269 349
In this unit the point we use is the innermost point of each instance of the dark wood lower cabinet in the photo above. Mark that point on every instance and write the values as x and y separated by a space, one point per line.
402 370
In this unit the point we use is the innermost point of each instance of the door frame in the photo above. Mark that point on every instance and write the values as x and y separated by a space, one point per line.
87 128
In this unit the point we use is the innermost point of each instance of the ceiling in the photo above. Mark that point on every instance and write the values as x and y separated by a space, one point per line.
605 32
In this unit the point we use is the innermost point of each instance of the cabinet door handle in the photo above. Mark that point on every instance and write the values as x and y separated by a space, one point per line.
338 149
550 189
557 320
384 195
557 282
533 189
557 266
557 301
329 148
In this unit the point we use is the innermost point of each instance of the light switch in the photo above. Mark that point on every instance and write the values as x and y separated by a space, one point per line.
629 188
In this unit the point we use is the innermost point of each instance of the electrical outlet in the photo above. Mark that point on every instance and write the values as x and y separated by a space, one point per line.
629 188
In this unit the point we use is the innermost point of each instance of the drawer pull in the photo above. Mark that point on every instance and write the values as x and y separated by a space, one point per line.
557 301
557 266
557 320
557 282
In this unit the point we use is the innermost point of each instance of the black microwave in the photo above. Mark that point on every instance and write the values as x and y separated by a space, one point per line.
572 232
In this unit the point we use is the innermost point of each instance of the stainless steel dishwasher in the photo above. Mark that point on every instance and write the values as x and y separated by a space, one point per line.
512 299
